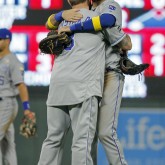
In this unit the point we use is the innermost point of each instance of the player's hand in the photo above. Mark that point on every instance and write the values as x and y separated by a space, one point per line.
30 114
123 53
72 15
65 29
28 125
26 112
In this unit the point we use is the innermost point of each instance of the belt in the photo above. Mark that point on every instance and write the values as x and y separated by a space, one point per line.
108 69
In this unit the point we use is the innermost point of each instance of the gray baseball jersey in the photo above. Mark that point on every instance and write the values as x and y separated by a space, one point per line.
11 73
113 35
78 72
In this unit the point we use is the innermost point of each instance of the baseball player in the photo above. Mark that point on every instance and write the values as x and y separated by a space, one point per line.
117 40
113 85
75 90
11 83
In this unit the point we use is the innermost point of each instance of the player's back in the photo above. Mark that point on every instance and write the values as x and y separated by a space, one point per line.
78 72
83 50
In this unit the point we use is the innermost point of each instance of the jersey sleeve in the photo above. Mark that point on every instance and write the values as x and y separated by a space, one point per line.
114 35
112 8
17 72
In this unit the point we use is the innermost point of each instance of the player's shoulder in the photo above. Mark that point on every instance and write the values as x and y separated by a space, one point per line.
13 56
116 4
111 4
88 13
13 59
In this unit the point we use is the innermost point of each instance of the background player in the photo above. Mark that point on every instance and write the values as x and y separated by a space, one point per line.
114 80
76 83
11 83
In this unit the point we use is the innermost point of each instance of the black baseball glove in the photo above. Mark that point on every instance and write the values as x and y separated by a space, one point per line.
54 43
130 68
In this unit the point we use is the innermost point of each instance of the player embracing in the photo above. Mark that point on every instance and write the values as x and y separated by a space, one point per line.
117 43
75 90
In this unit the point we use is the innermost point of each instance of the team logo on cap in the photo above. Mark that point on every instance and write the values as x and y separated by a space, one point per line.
112 7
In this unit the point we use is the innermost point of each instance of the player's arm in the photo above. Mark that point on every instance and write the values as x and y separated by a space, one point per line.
95 24
51 23
24 96
125 44
28 124
69 15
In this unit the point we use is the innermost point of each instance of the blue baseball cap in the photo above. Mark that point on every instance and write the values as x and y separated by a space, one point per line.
5 34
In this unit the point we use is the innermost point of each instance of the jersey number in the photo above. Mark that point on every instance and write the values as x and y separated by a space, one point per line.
70 46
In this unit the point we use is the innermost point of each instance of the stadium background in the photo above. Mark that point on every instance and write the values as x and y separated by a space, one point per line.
142 119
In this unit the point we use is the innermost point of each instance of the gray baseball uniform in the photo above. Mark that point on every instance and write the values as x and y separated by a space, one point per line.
11 73
75 86
113 87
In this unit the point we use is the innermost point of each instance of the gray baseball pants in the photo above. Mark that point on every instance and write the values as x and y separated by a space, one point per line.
82 118
108 118
8 112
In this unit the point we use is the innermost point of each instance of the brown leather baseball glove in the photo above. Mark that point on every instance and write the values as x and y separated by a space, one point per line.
28 126
130 68
54 43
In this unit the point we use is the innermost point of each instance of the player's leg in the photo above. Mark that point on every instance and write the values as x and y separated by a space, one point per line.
94 149
8 147
58 121
84 119
8 112
108 118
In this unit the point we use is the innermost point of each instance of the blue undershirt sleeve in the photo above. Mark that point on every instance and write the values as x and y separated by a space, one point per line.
95 24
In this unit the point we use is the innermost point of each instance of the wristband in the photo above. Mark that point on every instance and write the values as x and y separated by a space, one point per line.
58 16
26 105
51 26
96 23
